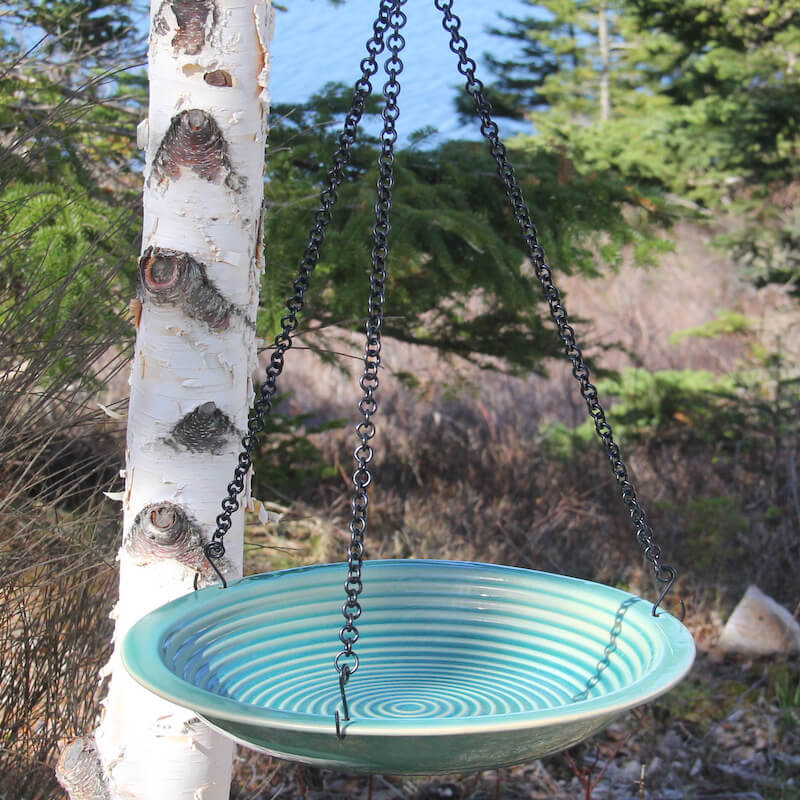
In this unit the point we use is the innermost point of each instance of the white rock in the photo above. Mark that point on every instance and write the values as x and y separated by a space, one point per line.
760 626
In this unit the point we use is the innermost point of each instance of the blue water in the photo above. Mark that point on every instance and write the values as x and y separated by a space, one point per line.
316 42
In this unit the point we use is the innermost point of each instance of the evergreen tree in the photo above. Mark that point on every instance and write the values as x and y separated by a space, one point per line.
702 100
580 62
93 28
735 87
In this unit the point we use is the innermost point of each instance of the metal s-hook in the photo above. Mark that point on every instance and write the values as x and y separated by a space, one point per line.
344 676
668 580
211 551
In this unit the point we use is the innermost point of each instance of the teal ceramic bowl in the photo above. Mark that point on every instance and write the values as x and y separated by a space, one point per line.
463 667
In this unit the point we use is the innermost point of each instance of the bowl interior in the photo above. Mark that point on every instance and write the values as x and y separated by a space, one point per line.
442 644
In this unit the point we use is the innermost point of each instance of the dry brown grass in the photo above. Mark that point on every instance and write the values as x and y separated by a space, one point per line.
461 471
58 534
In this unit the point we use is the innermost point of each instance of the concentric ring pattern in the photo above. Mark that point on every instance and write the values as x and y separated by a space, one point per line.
446 649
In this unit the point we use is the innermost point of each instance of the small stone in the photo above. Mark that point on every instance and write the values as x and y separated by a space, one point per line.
744 753
760 626
439 791
671 742
655 765
631 770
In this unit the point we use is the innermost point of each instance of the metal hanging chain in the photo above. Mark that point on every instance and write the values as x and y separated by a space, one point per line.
664 573
346 661
215 549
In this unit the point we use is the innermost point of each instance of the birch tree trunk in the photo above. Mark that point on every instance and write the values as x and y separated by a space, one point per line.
191 375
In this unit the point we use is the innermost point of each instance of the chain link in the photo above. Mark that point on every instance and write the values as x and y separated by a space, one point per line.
664 574
215 549
346 662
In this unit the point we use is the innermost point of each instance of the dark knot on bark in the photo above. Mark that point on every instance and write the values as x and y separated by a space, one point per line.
195 141
195 19
166 530
219 77
173 278
206 429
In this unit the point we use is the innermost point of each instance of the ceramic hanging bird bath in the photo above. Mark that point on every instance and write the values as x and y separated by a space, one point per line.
458 667
463 666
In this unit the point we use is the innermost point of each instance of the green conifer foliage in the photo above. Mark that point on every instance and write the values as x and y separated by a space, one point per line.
736 89
702 99
68 186
458 280
85 26
567 50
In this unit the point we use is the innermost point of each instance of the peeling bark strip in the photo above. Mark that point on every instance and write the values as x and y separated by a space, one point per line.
207 429
173 278
195 19
135 312
80 772
194 140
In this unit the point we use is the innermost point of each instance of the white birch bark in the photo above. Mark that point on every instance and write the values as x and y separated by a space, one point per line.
205 140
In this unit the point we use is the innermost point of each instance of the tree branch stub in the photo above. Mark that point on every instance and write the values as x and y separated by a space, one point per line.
219 77
165 530
205 429
195 141
195 19
173 278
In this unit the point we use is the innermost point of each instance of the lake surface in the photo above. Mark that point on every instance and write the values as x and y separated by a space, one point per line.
316 42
